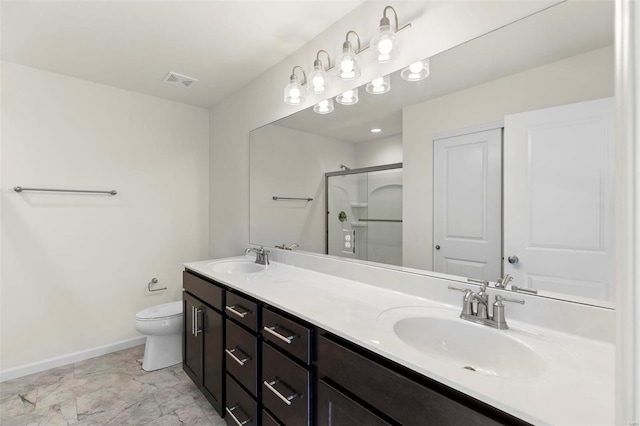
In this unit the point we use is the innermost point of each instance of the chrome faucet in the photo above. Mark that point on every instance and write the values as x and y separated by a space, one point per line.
288 247
262 255
480 314
504 281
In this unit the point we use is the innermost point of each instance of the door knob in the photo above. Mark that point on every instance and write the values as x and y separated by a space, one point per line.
437 247
513 259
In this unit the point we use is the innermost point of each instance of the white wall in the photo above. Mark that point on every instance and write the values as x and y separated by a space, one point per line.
436 26
579 78
379 152
291 163
75 267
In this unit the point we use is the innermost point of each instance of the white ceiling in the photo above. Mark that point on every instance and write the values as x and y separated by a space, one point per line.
133 44
565 30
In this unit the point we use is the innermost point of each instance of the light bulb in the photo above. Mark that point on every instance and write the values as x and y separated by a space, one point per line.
349 97
385 46
318 81
293 94
346 65
384 42
416 67
379 85
416 71
323 107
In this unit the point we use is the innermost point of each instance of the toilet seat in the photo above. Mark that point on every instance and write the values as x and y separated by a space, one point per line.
161 312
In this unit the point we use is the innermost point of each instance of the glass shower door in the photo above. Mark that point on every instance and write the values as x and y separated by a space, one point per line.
364 214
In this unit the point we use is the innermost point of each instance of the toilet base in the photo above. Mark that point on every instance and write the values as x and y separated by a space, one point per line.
162 351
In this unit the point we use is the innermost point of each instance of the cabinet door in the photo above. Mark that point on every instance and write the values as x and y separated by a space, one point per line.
212 355
337 409
191 344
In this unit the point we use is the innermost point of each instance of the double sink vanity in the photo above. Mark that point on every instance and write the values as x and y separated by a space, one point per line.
313 340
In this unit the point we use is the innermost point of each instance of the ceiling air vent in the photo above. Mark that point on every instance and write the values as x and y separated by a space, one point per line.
180 80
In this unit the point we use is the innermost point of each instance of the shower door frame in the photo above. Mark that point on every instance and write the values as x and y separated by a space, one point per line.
346 173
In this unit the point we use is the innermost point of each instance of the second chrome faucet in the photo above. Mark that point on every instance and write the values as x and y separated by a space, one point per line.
475 307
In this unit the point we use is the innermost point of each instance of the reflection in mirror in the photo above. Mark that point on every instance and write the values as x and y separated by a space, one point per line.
364 213
506 150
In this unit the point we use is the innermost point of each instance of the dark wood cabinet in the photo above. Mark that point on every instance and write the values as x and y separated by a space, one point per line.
241 349
405 398
291 336
203 338
191 344
337 409
258 365
241 409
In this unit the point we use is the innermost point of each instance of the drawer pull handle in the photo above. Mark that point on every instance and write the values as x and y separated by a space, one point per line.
285 399
287 337
193 320
232 354
235 419
196 327
234 310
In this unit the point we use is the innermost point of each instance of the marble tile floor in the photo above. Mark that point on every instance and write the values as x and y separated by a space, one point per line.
112 389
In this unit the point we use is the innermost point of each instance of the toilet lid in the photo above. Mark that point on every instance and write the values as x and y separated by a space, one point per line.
166 310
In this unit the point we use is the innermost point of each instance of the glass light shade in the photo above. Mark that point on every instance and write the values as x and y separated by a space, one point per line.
324 107
350 97
416 71
384 43
293 92
379 85
347 64
318 80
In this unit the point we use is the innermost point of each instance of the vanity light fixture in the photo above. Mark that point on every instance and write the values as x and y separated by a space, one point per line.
416 71
379 85
347 64
324 107
384 43
350 97
293 92
376 130
318 78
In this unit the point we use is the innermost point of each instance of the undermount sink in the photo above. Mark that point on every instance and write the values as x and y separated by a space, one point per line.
236 267
474 347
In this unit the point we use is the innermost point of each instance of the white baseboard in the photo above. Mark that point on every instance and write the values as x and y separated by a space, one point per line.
36 367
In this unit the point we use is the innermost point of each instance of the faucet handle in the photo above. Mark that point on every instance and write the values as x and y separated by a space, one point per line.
500 299
466 291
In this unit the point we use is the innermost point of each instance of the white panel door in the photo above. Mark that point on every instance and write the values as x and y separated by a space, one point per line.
468 204
558 199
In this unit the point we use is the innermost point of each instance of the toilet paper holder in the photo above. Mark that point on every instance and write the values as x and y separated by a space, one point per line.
153 282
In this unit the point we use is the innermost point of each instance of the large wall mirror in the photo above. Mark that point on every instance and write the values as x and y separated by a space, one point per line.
499 162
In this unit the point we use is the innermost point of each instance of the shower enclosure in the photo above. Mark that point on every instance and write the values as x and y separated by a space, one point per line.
364 213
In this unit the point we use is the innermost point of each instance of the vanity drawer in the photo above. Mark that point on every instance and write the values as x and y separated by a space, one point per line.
337 409
402 399
289 335
240 407
204 290
267 420
286 388
242 310
241 352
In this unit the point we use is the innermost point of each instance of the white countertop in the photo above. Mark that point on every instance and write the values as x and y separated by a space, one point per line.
575 387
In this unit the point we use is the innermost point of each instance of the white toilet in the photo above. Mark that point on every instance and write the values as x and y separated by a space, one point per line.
163 326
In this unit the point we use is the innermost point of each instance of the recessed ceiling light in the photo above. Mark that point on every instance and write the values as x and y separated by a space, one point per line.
376 130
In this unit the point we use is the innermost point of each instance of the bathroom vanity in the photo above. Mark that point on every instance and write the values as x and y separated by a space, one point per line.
284 344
